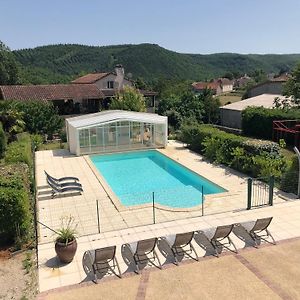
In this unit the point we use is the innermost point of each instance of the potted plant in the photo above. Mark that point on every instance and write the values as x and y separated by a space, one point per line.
65 242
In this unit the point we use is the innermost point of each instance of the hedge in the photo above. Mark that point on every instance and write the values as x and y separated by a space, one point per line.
289 180
15 214
194 136
258 121
256 158
20 151
3 141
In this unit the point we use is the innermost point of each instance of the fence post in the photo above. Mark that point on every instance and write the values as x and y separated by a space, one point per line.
249 196
202 201
271 189
98 219
153 207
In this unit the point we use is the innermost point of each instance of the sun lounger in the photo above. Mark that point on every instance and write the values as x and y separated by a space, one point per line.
144 250
62 179
63 184
179 242
259 231
105 259
61 190
222 240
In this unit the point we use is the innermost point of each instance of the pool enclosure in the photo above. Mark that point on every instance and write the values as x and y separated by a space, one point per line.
116 130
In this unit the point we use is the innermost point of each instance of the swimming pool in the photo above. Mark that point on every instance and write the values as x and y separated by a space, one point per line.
134 176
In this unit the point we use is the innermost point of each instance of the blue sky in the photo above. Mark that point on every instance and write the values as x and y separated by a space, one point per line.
191 26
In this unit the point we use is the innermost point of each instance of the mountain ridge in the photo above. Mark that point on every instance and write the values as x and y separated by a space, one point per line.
61 63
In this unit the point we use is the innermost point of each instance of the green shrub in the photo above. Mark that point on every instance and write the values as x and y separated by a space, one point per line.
37 141
20 151
289 180
2 141
39 117
256 158
15 207
258 121
15 215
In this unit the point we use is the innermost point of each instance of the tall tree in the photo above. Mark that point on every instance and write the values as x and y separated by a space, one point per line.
292 86
9 70
129 99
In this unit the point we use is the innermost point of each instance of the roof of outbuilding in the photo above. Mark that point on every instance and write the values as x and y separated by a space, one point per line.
115 115
265 100
50 92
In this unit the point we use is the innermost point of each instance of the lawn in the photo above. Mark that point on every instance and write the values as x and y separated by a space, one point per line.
225 99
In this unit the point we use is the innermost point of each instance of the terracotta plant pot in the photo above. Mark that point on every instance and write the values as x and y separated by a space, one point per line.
65 252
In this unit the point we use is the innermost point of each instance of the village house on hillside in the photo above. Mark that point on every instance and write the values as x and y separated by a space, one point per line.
217 86
87 94
241 82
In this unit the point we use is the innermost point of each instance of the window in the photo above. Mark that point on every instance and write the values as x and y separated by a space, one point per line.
110 84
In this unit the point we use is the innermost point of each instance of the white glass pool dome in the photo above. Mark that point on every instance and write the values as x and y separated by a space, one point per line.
115 130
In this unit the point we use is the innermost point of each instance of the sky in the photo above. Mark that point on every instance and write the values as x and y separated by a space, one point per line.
190 26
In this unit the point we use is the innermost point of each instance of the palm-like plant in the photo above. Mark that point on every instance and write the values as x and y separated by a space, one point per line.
68 231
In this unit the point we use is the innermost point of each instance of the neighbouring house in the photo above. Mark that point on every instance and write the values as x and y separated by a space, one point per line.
231 114
217 86
241 82
115 130
273 86
87 94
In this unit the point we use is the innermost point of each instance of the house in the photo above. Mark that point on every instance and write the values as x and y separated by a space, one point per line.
273 86
87 94
231 114
241 82
217 86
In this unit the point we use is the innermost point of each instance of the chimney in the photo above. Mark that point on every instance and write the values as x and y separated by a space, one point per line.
120 76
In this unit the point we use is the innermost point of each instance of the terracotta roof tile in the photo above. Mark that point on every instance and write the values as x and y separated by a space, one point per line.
205 85
90 78
50 92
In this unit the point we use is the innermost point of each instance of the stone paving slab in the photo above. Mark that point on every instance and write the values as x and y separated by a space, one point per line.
270 272
53 275
118 228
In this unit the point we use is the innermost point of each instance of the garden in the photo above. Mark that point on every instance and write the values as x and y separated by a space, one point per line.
23 127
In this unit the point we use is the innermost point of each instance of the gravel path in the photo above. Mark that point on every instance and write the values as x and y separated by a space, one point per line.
15 282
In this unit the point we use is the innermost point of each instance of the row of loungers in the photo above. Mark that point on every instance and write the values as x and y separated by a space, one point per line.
180 244
63 184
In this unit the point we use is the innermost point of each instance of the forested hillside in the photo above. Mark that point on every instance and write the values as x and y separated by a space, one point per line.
61 63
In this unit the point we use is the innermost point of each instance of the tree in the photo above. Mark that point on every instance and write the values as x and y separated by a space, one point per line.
141 84
211 104
190 108
38 117
292 86
129 99
9 70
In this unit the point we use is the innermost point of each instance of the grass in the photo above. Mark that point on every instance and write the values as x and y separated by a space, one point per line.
225 99
53 146
27 262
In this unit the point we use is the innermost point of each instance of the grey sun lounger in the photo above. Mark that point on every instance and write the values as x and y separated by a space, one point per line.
221 239
61 190
63 184
104 259
259 231
144 250
179 242
62 179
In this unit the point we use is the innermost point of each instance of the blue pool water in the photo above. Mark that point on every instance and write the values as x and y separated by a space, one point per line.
135 176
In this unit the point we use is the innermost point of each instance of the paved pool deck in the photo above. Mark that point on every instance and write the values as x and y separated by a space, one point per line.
270 272
119 227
